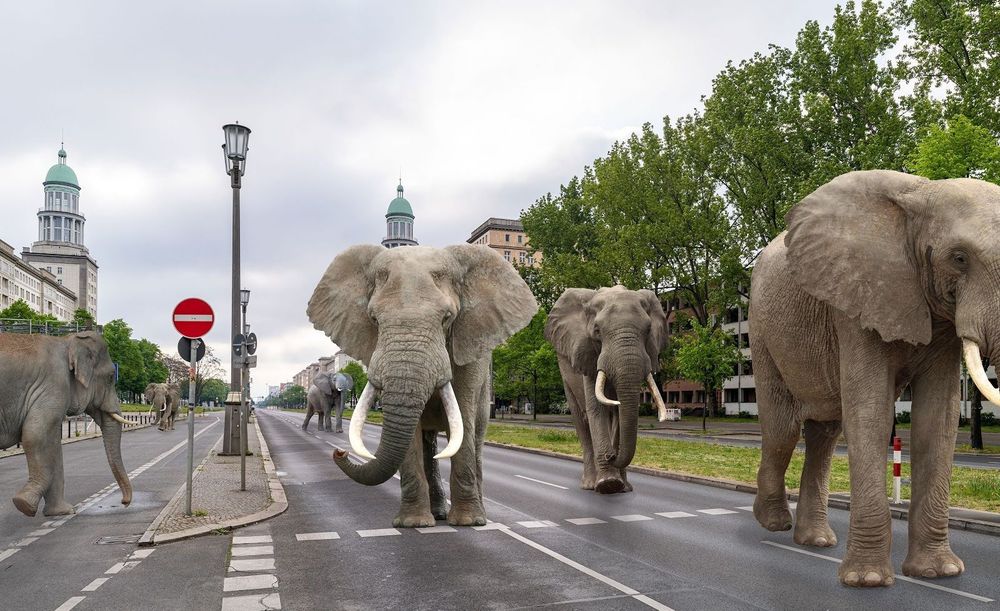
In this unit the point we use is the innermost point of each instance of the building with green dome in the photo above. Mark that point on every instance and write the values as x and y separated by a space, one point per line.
399 222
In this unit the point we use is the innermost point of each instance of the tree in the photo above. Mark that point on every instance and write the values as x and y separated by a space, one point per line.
214 389
126 353
293 396
20 310
357 373
961 149
152 360
84 319
526 366
706 355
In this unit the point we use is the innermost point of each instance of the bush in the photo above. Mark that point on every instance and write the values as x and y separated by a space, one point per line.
647 409
903 417
988 419
746 415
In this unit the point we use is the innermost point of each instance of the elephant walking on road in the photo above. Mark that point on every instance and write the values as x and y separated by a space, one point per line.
882 280
43 379
165 399
326 395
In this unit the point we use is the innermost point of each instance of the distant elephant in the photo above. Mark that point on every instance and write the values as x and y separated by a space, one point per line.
608 342
43 380
326 395
425 320
166 400
882 280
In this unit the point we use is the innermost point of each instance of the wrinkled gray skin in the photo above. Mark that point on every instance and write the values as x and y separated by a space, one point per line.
166 401
422 317
323 399
620 332
42 380
874 285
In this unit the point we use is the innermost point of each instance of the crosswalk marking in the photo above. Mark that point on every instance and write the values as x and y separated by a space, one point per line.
7 553
585 521
379 532
249 582
252 602
746 508
258 550
716 512
436 529
323 536
537 523
93 585
69 604
491 526
635 517
676 514
253 564
142 553
252 539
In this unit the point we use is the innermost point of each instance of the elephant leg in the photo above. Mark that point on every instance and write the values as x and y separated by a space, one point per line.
578 410
414 505
55 502
309 415
811 526
608 478
868 392
779 427
615 443
340 415
432 471
43 450
327 420
932 434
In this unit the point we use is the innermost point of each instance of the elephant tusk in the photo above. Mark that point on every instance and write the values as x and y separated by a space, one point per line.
974 363
358 422
119 418
456 430
661 409
599 390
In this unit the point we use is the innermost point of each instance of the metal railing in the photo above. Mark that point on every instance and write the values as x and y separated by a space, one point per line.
27 326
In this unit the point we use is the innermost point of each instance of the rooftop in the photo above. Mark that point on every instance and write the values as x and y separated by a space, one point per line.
495 223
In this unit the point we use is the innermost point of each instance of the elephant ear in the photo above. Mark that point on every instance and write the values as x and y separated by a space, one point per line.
339 305
656 341
848 247
83 351
495 302
322 382
568 330
150 389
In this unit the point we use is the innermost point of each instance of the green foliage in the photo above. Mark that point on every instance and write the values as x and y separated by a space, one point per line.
706 355
960 150
83 318
132 374
152 362
357 373
292 396
214 389
526 366
20 310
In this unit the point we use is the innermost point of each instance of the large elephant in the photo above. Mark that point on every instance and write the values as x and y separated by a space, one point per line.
882 280
165 399
608 342
425 320
326 396
42 380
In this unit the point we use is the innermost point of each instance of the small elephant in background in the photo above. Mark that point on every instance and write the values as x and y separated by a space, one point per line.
608 342
166 400
326 394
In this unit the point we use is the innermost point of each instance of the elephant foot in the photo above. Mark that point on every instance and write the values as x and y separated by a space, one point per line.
339 431
62 508
865 574
439 509
772 515
609 485
587 482
819 535
413 520
24 505
928 563
467 516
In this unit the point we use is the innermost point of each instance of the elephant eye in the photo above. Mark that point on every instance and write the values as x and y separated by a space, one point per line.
960 258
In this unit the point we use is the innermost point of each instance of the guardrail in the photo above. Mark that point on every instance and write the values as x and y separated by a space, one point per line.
26 326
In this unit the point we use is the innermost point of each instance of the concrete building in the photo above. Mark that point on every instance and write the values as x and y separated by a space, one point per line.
399 222
60 248
37 287
507 237
325 364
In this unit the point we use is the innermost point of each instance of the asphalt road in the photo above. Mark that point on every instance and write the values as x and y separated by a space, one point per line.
564 548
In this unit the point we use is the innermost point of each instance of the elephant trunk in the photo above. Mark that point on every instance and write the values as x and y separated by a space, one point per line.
628 424
627 366
111 431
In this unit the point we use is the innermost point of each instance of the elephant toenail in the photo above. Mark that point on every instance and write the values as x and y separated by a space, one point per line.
851 578
950 569
872 578
821 541
929 573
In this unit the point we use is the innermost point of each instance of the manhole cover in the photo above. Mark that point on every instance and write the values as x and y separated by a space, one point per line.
118 539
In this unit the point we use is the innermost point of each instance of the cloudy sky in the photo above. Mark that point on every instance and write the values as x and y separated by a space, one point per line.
483 106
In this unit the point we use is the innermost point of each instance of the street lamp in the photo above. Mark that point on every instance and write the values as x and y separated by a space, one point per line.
234 152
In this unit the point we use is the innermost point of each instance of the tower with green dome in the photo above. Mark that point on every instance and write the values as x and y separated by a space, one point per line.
399 222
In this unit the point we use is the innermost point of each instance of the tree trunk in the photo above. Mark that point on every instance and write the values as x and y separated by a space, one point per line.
976 419
704 412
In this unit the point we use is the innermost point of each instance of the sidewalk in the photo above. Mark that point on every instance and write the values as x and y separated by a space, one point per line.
217 504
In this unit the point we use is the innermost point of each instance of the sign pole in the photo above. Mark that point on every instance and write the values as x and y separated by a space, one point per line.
243 428
192 384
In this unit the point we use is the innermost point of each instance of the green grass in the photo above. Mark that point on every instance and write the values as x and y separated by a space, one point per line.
970 488
134 407
968 449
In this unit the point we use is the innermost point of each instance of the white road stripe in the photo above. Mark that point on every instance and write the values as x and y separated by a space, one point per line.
26 541
379 532
588 571
259 550
585 521
491 526
142 553
436 529
715 512
675 514
323 536
918 582
252 539
635 517
746 508
69 604
537 524
253 602
249 582
41 532
252 564
93 585
538 481
7 553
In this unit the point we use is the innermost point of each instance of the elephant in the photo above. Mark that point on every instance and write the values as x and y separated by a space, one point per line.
326 395
425 321
166 400
43 380
881 280
608 343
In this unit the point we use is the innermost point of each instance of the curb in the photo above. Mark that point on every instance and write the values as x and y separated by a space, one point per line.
279 503
899 512
76 439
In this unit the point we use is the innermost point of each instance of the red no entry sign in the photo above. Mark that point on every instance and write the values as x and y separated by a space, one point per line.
193 317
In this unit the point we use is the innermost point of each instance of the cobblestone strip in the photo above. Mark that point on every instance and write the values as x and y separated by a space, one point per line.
250 583
130 562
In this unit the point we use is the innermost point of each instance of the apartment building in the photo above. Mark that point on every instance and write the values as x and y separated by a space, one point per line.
507 237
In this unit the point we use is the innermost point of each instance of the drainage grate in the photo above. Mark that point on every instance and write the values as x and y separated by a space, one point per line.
118 540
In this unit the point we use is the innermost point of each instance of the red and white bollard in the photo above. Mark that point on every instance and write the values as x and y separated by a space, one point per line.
897 468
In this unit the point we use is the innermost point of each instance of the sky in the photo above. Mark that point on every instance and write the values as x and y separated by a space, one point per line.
481 107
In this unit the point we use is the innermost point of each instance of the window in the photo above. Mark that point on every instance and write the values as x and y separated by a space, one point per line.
748 368
521 257
506 255
520 239
732 395
58 270
506 237
749 395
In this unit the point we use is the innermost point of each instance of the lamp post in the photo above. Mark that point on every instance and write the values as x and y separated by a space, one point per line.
234 153
244 391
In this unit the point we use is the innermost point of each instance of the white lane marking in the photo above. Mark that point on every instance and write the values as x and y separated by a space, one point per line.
323 536
588 571
492 526
69 604
675 514
436 529
585 521
280 473
253 602
379 532
918 582
538 481
142 553
48 524
715 512
537 524
634 517
93 585
7 553
254 564
118 567
41 532
259 550
249 582
26 541
252 539
746 508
